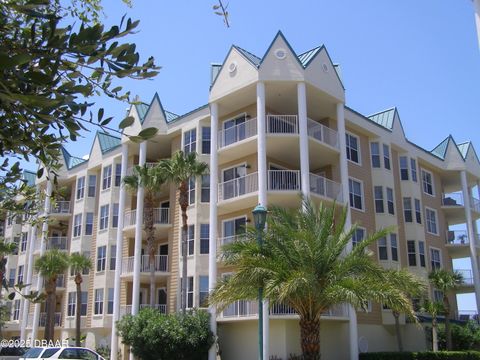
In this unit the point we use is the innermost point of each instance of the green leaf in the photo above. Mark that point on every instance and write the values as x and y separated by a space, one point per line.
128 121
148 133
100 114
11 296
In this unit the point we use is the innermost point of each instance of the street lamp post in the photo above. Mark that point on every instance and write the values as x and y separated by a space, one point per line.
260 217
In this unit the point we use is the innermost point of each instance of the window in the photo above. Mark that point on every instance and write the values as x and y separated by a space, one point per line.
418 212
353 148
386 156
413 168
435 259
204 238
80 187
390 202
115 215
191 190
358 236
83 308
411 253
20 275
113 256
107 177
92 184
11 277
72 301
205 192
203 291
375 153
427 182
77 225
98 305
403 168
101 258
190 240
382 249
189 292
421 253
88 223
86 271
23 243
190 141
110 301
16 241
379 208
104 216
206 140
356 194
431 220
394 247
118 174
437 295
16 310
407 209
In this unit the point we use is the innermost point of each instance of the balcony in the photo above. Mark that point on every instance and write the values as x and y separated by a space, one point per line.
127 309
454 207
467 284
326 188
60 208
237 133
249 309
160 266
55 242
322 134
43 318
60 282
161 220
458 243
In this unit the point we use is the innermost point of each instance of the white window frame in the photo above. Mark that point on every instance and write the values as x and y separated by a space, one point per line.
80 193
356 241
387 157
110 300
92 186
362 195
376 155
107 177
432 182
394 247
203 238
101 264
407 209
118 175
200 292
420 254
432 250
203 139
428 221
414 170
418 212
347 133
190 143
71 303
386 248
407 168
89 225
115 214
375 199
77 225
98 301
414 253
232 219
390 201
104 217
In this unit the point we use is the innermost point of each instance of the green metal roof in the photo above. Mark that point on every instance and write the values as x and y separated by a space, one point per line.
30 177
71 161
463 148
441 149
142 109
214 71
169 116
254 59
384 118
307 56
108 142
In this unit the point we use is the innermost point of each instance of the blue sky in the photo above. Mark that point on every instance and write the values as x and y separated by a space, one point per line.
421 56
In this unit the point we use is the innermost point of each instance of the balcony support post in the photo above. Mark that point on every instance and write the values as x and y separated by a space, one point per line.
303 131
212 241
118 254
44 236
262 192
352 325
26 304
471 235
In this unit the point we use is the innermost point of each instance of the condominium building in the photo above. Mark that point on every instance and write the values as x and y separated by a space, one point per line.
275 126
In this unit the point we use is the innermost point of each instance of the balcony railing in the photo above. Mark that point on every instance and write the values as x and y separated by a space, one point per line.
282 124
230 239
161 264
161 216
475 204
237 133
322 133
60 281
43 318
55 242
237 187
325 187
284 180
456 199
60 207
127 309
457 237
467 276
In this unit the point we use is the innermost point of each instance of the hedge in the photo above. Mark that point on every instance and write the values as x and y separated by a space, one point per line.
426 355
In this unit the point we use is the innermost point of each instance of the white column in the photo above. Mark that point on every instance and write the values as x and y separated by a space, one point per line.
43 245
26 304
262 193
212 252
471 235
118 259
476 5
303 132
352 325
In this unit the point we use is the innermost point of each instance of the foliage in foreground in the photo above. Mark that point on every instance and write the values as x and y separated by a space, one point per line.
156 336
464 337
426 355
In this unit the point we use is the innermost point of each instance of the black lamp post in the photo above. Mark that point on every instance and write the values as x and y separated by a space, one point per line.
259 218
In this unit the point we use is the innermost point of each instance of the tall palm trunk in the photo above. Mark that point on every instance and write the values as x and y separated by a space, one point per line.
150 232
78 309
51 290
310 337
183 202
434 334
396 316
448 332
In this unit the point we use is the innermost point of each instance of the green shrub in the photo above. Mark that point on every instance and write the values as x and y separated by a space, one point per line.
426 355
155 336
464 337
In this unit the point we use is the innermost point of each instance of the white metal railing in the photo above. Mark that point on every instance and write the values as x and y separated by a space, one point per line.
282 124
161 264
282 309
452 199
322 186
237 187
43 318
57 242
322 133
161 216
129 218
237 133
475 204
284 180
466 315
60 207
127 309
230 239
467 276
457 237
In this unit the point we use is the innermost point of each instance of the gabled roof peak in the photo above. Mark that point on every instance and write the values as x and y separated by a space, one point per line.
107 142
384 118
71 161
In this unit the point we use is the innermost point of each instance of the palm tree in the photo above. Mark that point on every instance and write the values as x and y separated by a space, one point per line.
303 263
178 170
50 265
446 281
78 264
434 308
151 179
